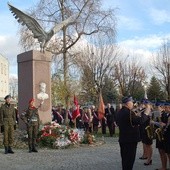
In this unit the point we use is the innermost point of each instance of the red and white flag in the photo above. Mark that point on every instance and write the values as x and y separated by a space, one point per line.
76 112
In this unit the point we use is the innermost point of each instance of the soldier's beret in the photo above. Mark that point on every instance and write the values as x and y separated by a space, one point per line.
7 96
31 100
127 99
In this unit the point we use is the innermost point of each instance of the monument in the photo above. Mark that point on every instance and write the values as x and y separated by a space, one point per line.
34 81
42 95
34 78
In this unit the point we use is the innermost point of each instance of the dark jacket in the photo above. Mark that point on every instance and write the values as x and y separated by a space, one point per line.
110 115
128 124
95 117
167 130
57 116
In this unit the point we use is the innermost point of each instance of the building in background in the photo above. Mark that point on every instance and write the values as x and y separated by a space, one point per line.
4 77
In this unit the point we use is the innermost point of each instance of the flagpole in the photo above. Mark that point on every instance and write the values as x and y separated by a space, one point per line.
76 112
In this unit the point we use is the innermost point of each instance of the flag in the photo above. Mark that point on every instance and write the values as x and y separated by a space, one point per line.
76 112
101 108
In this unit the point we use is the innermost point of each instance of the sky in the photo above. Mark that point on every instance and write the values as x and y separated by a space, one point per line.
142 27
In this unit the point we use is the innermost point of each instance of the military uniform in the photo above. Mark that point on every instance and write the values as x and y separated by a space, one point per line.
144 136
8 121
31 118
161 142
129 135
164 119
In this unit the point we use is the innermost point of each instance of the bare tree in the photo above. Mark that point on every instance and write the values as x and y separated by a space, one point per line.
92 19
128 75
162 66
13 86
95 63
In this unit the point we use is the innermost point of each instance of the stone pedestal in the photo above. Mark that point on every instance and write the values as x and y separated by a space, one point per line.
34 68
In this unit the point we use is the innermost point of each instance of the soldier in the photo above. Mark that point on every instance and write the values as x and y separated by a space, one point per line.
128 123
32 121
8 121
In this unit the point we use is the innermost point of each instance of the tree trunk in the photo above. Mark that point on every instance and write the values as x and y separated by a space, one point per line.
65 66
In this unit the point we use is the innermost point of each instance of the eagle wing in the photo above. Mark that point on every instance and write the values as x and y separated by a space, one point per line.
68 21
30 22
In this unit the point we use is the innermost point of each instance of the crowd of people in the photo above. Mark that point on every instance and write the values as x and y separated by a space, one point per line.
88 118
141 121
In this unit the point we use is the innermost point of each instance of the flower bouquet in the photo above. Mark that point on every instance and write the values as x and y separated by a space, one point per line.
59 136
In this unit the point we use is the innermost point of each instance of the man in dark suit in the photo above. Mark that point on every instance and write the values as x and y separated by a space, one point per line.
110 116
128 123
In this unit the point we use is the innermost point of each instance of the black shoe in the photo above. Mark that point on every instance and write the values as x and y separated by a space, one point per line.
34 150
6 150
10 150
148 163
29 149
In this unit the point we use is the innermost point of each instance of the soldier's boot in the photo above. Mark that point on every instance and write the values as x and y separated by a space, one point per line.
10 150
30 149
6 149
34 148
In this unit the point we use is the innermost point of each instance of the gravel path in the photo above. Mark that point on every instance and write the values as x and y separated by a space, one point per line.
104 157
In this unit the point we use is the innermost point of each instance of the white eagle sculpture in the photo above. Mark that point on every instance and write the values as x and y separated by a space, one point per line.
38 32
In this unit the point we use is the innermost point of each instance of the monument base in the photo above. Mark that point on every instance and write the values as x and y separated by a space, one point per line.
34 68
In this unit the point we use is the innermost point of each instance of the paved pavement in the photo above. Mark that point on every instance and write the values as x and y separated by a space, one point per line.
104 157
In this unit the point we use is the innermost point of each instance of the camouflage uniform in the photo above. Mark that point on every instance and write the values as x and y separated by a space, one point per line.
31 118
8 121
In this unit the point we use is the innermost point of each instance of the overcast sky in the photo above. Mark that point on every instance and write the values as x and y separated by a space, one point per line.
142 26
